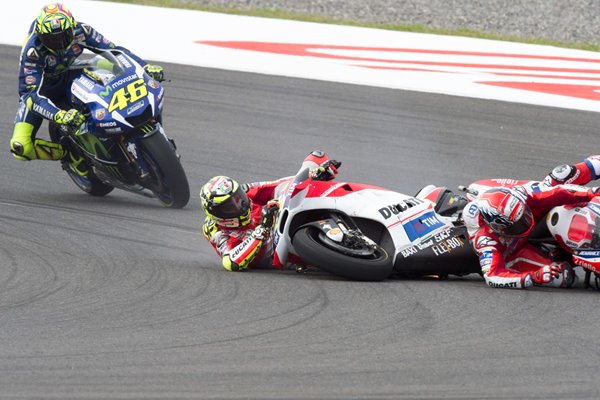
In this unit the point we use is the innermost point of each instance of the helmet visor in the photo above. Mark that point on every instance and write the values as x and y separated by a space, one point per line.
235 206
58 41
522 226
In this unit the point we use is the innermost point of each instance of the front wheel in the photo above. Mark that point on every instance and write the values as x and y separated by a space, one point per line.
168 180
313 248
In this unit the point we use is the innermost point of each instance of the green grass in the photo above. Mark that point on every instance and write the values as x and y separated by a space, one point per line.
279 14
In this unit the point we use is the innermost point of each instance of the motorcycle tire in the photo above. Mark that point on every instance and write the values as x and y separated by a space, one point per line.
89 184
313 251
170 184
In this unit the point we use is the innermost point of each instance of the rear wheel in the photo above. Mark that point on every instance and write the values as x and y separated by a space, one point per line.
363 262
168 180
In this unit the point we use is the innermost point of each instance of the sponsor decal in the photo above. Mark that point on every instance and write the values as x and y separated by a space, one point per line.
100 113
241 249
29 71
106 92
42 111
136 107
107 124
86 82
485 241
505 182
124 61
30 80
153 84
76 49
422 225
122 81
51 60
472 210
447 246
594 207
588 253
113 130
408 252
79 38
395 209
503 285
33 54
132 149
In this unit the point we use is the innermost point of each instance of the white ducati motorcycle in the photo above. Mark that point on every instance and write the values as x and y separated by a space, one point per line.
369 233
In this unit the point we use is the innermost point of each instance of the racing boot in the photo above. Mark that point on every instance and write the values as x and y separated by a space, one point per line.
567 277
24 148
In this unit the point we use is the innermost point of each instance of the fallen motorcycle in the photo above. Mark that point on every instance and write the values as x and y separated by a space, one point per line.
369 233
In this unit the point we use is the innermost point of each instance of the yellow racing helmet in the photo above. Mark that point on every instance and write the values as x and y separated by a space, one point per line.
55 26
224 200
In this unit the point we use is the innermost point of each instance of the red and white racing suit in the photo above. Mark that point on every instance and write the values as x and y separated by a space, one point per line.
510 261
247 246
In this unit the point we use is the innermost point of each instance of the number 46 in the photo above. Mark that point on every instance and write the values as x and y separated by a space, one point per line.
133 92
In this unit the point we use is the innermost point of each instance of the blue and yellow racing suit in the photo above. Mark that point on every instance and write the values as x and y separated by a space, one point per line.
44 78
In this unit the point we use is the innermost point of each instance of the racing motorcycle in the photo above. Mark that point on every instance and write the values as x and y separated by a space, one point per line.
569 232
122 140
369 233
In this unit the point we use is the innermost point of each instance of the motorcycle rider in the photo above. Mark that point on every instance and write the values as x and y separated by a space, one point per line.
499 222
239 218
55 40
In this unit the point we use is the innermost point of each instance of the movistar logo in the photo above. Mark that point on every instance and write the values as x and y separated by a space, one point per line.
106 91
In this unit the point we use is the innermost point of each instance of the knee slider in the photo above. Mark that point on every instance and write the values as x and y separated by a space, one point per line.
21 151
563 174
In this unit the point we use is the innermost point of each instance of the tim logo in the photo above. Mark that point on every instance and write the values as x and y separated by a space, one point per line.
422 225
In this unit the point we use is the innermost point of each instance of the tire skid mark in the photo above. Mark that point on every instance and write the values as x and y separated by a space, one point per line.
79 211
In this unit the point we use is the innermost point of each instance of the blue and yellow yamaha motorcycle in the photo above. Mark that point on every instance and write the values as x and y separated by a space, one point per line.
122 141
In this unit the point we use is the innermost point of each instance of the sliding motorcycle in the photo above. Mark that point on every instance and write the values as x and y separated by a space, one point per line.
122 141
370 233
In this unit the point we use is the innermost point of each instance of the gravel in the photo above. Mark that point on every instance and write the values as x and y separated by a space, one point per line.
559 20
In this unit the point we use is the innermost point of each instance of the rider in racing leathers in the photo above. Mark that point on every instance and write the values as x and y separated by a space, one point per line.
239 218
500 220
54 42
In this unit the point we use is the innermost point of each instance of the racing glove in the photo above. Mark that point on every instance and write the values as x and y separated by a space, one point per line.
326 171
546 274
155 71
269 212
71 118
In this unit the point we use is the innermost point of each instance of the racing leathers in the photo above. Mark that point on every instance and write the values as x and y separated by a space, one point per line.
44 79
251 245
512 262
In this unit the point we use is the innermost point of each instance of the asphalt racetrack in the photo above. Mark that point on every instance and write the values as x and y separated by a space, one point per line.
120 298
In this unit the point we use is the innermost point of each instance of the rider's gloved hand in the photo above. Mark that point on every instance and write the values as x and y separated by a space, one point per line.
268 214
155 71
546 274
71 118
326 171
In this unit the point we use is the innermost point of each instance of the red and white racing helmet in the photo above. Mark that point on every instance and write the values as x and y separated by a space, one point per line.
505 212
